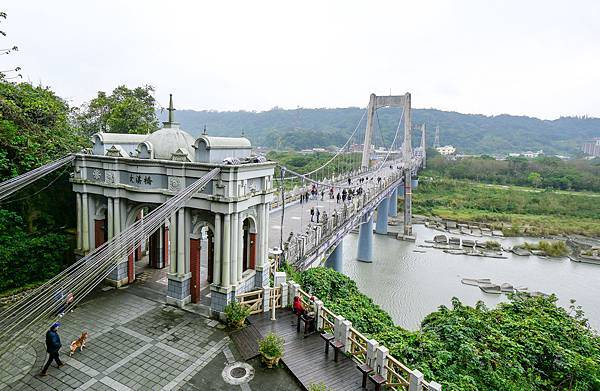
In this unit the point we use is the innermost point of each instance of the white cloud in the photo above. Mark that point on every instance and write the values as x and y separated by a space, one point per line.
534 58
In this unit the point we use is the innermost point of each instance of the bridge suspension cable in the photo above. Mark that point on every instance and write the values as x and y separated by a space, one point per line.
343 186
31 314
17 183
342 148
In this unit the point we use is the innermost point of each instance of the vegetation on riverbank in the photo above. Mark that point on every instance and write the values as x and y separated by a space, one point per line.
525 344
541 173
514 210
553 249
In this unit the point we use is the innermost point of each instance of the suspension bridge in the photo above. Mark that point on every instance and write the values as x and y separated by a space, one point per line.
207 212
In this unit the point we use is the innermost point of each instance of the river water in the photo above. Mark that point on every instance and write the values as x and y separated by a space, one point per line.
410 285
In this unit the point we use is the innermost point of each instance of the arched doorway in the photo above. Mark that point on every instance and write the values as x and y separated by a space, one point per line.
153 245
249 243
201 260
100 227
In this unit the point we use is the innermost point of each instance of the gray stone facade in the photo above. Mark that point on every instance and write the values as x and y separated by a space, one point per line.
218 302
118 276
178 291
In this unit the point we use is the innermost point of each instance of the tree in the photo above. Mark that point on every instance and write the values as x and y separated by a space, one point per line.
7 74
535 179
124 111
35 128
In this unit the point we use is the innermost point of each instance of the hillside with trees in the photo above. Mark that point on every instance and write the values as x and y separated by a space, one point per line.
470 133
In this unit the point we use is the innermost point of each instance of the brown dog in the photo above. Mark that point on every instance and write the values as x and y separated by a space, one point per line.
79 343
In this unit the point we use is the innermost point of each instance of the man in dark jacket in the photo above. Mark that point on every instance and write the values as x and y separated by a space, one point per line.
52 347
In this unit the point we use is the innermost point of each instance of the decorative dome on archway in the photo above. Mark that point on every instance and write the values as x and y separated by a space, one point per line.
168 143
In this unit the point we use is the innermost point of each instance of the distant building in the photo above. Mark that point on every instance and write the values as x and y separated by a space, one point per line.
592 148
527 154
446 150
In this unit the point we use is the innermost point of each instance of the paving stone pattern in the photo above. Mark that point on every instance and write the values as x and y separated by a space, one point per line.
134 344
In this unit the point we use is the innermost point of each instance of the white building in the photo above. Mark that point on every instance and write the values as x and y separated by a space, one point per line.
446 150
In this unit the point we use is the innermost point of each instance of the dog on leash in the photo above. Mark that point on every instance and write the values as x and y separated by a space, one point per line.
79 343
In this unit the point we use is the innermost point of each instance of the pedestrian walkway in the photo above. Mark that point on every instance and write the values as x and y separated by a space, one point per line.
138 343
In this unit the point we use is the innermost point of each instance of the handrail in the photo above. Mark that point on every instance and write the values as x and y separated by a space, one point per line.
394 378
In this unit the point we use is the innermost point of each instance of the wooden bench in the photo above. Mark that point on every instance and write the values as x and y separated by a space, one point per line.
365 369
328 338
378 380
336 345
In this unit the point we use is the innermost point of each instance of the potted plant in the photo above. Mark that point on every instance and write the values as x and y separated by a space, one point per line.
271 349
236 314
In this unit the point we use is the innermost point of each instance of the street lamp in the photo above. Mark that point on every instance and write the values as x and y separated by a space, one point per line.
276 252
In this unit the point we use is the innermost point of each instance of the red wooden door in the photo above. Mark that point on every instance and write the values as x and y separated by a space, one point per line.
195 269
245 252
99 232
211 257
130 268
252 250
154 253
166 247
138 253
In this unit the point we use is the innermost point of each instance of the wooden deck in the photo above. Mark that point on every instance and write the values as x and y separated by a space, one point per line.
246 341
305 357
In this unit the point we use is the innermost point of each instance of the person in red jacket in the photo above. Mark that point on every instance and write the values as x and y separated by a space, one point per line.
298 306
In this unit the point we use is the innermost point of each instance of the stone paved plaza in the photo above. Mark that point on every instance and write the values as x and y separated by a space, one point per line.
139 344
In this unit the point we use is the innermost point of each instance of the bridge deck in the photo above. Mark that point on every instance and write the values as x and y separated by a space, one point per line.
305 357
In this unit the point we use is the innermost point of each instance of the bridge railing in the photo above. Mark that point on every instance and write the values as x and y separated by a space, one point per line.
298 246
363 350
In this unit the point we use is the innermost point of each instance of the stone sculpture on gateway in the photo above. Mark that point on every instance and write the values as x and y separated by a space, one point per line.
126 176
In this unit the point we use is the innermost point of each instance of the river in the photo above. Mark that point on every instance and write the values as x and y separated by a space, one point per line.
410 285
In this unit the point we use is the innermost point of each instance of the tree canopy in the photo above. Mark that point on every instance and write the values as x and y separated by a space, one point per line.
124 111
35 128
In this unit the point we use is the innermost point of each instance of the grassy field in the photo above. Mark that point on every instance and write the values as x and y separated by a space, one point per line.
527 210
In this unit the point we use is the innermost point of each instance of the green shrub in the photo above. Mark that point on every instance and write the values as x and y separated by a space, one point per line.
236 314
492 245
529 343
271 345
340 294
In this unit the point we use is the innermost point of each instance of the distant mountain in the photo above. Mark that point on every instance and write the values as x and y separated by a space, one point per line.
469 133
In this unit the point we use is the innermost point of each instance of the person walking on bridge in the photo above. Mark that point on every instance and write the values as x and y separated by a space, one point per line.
318 214
52 347
312 213
338 197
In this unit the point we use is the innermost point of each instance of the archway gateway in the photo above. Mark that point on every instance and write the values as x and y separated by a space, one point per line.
123 173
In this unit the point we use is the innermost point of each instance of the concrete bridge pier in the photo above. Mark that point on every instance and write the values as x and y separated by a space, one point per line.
393 204
365 240
381 227
336 258
400 190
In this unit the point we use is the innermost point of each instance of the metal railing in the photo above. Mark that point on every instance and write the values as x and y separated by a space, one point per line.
299 247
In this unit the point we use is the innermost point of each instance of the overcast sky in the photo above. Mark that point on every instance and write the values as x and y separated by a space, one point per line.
538 58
